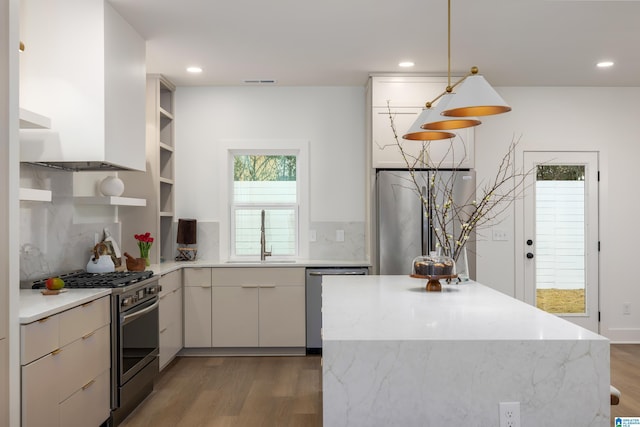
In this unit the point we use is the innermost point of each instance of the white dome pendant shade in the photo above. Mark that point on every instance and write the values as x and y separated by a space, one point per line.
475 97
434 120
417 133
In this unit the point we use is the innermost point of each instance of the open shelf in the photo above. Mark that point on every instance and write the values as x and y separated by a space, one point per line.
31 120
111 200
35 195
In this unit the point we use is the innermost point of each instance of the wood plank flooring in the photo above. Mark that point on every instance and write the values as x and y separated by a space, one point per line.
625 376
287 391
234 392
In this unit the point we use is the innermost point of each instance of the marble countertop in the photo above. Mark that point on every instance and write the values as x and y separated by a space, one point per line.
167 267
378 308
35 306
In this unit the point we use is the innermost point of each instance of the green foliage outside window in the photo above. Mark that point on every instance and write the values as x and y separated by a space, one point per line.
264 168
560 173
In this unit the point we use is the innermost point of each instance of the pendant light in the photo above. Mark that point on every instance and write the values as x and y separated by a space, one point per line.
473 97
418 133
436 121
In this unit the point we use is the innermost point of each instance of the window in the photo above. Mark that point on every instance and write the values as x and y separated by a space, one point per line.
269 183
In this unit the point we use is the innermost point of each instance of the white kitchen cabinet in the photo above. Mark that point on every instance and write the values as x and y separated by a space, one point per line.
83 67
171 325
235 316
258 307
197 307
407 96
66 361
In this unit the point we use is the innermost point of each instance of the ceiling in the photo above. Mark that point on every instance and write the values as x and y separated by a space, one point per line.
340 42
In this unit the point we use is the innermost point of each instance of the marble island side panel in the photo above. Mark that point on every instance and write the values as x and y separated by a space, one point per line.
394 356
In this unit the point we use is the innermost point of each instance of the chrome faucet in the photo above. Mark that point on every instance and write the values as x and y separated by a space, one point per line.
263 241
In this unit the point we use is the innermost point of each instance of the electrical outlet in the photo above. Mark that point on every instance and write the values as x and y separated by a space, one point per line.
626 308
339 235
509 414
312 235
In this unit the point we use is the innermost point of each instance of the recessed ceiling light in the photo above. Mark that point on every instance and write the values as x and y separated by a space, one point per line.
604 64
406 64
194 69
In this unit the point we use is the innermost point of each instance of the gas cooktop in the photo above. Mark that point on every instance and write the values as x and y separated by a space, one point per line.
83 279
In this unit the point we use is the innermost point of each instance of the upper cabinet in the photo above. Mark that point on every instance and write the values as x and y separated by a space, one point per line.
402 98
83 67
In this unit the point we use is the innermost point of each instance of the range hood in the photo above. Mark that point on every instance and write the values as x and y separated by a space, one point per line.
46 148
86 71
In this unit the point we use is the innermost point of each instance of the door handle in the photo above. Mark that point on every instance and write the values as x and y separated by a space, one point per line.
529 255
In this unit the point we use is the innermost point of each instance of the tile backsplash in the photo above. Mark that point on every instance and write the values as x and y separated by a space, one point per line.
57 236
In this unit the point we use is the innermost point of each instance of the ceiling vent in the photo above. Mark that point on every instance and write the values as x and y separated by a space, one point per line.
260 81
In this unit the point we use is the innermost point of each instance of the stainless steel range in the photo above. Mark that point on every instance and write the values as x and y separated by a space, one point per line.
134 333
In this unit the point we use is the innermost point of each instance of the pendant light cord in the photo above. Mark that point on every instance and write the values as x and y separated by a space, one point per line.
449 45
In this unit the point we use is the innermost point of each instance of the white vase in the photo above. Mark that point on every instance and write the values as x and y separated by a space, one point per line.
462 265
112 186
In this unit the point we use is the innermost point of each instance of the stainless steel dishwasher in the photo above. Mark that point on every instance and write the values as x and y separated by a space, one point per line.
314 301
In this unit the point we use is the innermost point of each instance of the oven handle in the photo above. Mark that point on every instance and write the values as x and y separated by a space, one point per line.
130 317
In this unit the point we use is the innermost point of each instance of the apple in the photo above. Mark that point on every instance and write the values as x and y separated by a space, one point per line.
54 283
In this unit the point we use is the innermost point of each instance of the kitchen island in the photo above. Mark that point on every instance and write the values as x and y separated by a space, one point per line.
395 355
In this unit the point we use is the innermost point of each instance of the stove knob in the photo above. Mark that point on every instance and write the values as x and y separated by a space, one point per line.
126 302
154 289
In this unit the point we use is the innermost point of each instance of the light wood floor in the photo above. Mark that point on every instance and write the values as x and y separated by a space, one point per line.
625 376
287 391
234 392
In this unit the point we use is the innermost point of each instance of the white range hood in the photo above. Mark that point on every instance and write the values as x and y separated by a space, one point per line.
84 67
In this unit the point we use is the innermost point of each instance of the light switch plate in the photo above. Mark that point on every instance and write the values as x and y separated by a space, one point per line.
312 235
339 235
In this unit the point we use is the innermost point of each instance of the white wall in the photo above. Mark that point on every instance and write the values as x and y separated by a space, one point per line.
605 120
330 118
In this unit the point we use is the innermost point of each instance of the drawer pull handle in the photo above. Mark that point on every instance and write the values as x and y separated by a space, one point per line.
175 290
43 320
164 330
268 286
249 286
87 304
205 286
89 384
88 335
56 352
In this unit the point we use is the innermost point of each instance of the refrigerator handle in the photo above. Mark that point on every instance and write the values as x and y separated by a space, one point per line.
426 233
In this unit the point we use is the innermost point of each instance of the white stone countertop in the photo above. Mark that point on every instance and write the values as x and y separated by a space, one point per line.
35 306
168 267
397 308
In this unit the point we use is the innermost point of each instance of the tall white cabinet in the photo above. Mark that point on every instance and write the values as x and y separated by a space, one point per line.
403 98
157 183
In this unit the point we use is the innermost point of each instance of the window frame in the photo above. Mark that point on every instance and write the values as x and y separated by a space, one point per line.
231 148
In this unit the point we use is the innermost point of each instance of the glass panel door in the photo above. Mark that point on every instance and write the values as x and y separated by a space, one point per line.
561 235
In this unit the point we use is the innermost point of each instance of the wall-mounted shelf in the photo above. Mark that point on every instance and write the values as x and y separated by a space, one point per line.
31 120
35 195
111 201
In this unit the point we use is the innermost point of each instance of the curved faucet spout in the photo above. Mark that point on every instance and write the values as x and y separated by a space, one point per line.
263 240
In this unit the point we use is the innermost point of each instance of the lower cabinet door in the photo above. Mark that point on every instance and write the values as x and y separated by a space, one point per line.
235 316
197 316
282 316
40 392
89 406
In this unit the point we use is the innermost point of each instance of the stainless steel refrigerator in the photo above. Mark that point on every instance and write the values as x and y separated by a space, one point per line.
403 231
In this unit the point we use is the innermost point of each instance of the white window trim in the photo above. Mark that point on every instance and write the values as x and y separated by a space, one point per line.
230 147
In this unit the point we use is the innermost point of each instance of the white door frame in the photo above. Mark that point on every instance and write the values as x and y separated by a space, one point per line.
523 265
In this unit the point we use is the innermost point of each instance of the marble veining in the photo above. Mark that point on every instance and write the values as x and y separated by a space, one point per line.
419 371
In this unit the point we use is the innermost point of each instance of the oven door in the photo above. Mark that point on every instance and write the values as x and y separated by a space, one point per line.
138 338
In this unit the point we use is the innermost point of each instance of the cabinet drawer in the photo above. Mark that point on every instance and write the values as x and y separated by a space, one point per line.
88 406
84 319
197 277
83 360
40 391
268 276
38 338
170 282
